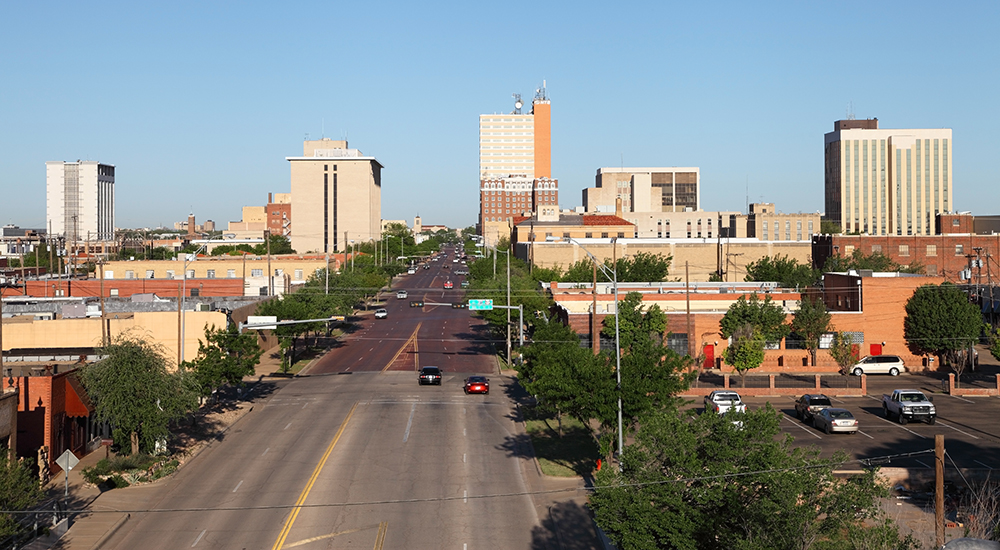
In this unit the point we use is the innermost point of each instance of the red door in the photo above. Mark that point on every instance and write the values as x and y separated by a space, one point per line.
709 357
875 349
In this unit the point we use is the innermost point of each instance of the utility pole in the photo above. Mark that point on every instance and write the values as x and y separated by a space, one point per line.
104 323
508 309
687 298
938 491
270 276
595 335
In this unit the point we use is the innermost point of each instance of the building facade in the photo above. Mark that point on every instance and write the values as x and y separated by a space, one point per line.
670 189
765 223
515 162
80 200
279 214
336 197
887 181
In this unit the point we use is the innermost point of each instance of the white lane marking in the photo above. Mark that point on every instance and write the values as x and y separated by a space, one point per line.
900 426
199 538
987 465
409 423
837 400
966 400
306 405
463 431
956 429
807 430
238 485
286 427
265 451
465 496
921 463
463 457
866 435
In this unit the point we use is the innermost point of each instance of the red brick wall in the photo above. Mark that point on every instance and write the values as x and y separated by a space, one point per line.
941 260
127 287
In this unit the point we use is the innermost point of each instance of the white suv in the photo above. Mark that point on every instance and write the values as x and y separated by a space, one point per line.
879 364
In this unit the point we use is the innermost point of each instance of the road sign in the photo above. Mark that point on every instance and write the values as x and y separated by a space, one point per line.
261 320
481 305
67 461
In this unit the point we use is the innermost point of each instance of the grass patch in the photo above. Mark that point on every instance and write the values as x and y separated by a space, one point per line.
573 454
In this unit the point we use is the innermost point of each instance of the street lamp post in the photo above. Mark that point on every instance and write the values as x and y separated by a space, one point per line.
618 352
183 292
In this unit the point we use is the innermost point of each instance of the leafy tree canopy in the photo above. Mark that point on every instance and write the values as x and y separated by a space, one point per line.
941 320
643 267
19 490
136 391
876 261
224 357
712 483
811 321
764 315
787 272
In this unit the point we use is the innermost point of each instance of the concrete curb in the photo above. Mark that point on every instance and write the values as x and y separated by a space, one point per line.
110 532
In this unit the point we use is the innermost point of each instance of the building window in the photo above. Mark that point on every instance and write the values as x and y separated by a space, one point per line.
231 273
904 250
256 272
114 292
170 273
129 274
959 249
621 234
604 235
210 274
876 248
565 235
848 250
932 250
955 222
149 274
190 274
588 235
298 274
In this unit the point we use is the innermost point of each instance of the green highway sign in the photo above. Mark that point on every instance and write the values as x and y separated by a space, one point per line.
481 305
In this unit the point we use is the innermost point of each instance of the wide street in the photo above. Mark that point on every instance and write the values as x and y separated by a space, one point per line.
357 455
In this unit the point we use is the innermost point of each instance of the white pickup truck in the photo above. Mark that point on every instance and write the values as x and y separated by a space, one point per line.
723 401
907 405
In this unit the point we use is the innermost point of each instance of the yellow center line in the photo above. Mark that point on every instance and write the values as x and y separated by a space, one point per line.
403 347
416 350
312 480
380 536
331 535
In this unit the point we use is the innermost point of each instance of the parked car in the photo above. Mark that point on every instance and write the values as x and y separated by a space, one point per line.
401 295
723 401
477 384
835 420
465 284
907 405
879 364
449 284
429 375
381 313
411 271
808 405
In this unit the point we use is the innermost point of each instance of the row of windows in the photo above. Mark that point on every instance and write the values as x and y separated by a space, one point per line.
904 249
209 274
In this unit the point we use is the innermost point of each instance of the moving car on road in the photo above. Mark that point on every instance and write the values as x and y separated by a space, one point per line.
429 375
449 284
381 313
879 364
832 420
401 295
808 405
477 384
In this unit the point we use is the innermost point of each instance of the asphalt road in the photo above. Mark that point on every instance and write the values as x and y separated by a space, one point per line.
358 455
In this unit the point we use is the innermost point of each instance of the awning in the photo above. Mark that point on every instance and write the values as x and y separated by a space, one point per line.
77 401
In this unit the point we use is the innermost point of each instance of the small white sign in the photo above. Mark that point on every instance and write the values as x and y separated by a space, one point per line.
67 461
262 320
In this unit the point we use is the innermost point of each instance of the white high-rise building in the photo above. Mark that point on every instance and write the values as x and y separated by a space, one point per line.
887 181
80 200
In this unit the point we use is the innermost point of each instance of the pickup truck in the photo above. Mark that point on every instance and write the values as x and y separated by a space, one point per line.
907 405
723 401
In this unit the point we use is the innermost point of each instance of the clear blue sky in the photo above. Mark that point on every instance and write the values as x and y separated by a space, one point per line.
198 104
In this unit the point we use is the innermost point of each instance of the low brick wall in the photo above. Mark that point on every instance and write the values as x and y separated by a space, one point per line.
771 390
984 392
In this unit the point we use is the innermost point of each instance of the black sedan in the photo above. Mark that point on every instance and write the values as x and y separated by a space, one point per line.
430 375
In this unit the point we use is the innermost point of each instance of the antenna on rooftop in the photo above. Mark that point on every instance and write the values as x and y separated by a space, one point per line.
850 110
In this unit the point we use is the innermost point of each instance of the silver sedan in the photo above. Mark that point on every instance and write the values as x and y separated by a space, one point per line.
835 420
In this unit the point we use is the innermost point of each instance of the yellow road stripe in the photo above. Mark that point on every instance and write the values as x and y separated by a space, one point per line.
305 492
416 350
380 537
403 347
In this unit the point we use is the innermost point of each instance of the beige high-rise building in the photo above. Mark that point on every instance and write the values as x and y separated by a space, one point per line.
336 196
80 200
669 189
887 181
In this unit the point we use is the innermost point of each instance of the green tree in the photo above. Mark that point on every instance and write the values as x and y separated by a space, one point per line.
843 352
135 391
279 245
787 272
876 261
643 267
829 227
995 343
746 352
19 490
766 316
941 320
225 356
709 483
811 321
291 307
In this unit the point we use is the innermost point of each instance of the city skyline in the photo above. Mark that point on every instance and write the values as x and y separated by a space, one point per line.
199 106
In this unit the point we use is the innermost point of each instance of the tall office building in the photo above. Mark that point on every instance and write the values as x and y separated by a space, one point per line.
886 181
668 189
336 197
80 200
515 161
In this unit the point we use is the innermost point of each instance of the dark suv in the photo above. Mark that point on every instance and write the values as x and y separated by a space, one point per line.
808 405
430 375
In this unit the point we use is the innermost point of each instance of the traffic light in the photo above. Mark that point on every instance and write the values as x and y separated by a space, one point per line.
459 305
415 303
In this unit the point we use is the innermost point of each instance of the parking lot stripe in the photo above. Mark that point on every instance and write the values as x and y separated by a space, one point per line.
800 426
985 465
957 430
898 426
963 399
922 463
409 423
866 435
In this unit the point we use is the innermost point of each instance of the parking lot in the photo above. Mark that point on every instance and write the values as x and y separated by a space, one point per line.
969 426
